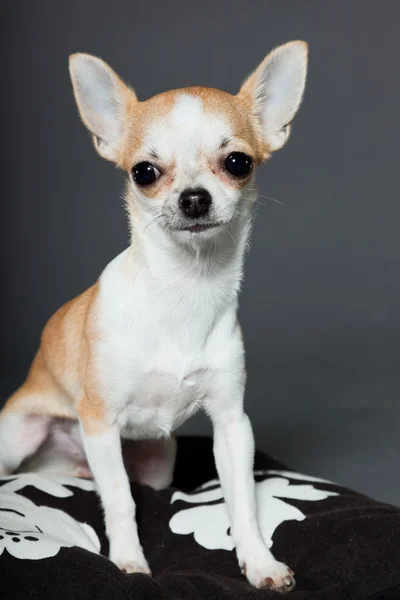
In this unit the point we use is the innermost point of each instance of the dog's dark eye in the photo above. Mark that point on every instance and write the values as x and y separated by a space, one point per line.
238 164
145 174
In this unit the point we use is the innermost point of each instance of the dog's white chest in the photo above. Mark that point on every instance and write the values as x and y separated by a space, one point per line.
155 360
160 403
155 389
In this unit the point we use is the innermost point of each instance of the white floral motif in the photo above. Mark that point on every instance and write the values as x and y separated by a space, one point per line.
210 523
35 532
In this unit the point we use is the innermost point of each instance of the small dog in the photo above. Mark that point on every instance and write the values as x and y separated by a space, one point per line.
157 337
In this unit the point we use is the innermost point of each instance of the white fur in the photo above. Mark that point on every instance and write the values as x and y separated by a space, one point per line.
170 345
194 131
164 338
105 460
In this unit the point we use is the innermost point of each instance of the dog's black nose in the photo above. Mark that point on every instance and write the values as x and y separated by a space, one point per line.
195 203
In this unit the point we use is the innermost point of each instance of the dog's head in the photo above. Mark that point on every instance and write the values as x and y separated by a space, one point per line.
191 154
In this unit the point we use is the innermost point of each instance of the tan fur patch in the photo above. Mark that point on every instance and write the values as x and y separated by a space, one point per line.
234 109
65 344
39 394
92 414
60 369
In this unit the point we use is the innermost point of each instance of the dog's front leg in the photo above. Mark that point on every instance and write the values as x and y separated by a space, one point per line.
234 457
102 444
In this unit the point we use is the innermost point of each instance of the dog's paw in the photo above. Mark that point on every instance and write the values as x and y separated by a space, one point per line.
130 561
134 567
271 575
125 549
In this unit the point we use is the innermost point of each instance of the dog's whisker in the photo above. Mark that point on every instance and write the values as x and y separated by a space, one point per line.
242 216
264 196
272 199
152 221
229 233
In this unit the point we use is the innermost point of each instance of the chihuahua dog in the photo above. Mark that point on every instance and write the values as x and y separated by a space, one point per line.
157 337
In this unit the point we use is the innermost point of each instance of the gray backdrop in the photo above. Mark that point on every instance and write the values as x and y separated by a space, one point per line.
321 299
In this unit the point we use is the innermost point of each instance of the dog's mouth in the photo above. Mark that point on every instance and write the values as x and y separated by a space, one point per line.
199 228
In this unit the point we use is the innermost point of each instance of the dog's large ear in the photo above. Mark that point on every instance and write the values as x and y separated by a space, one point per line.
275 90
103 101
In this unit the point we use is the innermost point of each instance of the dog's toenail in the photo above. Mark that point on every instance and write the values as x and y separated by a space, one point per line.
269 583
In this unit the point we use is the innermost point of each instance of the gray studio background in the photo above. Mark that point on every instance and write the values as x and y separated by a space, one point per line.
320 307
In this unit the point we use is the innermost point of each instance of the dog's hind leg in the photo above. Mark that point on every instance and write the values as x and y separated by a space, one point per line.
26 416
21 435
